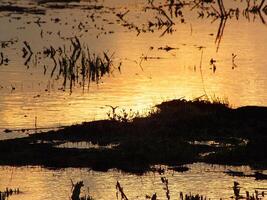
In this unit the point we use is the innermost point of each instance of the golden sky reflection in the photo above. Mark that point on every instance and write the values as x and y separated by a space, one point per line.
176 74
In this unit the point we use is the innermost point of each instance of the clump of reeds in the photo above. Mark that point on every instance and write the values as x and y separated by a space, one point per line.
3 59
212 99
8 192
249 196
191 197
123 115
78 66
120 194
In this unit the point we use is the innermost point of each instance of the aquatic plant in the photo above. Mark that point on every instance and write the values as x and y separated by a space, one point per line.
165 181
253 196
78 66
3 59
27 53
123 115
9 192
76 190
120 192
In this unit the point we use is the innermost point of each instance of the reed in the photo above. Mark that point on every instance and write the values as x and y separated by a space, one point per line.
120 194
8 192
76 192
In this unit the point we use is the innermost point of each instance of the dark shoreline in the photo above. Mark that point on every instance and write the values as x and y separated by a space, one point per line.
180 132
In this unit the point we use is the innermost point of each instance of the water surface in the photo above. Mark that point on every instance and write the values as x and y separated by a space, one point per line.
38 183
143 73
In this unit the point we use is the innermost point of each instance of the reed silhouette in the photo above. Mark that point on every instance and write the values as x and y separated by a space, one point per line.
120 194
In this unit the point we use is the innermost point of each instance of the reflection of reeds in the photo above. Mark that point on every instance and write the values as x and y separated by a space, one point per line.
168 22
222 9
27 52
220 32
2 58
255 10
79 66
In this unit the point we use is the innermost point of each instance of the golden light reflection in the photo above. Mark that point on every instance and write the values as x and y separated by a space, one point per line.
148 73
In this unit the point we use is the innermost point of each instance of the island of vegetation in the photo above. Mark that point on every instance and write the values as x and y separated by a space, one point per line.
176 132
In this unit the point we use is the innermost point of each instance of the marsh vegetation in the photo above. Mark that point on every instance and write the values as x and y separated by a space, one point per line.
168 135
120 194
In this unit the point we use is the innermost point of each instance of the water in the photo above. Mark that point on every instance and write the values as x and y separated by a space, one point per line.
142 75
38 99
39 183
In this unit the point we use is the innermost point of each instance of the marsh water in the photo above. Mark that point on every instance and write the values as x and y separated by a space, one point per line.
38 183
153 55
151 62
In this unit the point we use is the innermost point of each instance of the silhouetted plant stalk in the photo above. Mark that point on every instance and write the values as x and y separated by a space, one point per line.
76 191
1 58
165 181
254 196
223 13
120 192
